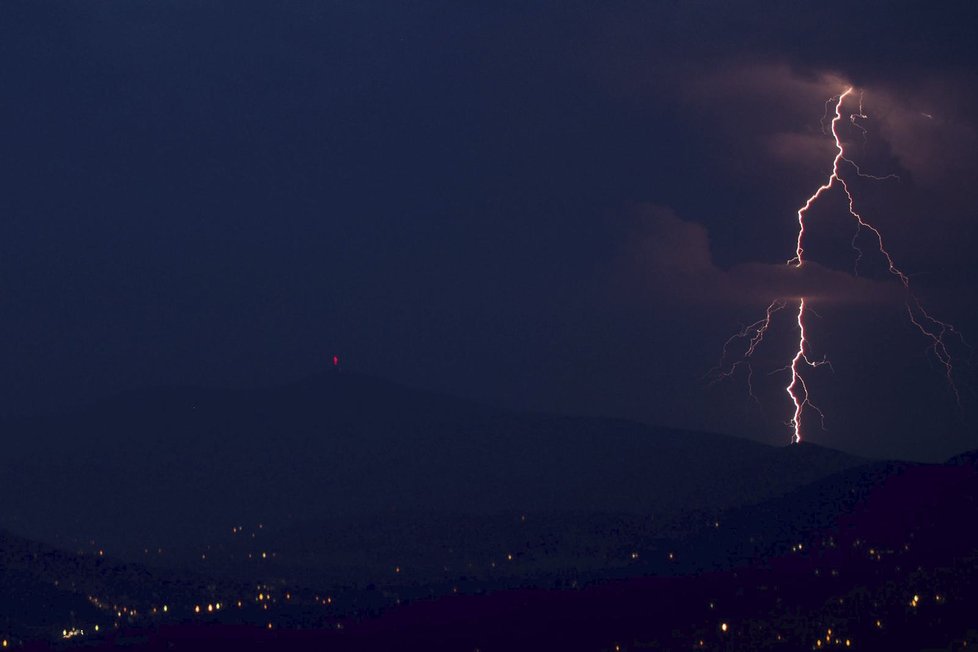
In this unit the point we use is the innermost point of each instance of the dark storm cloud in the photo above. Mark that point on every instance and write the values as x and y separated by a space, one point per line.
924 123
767 120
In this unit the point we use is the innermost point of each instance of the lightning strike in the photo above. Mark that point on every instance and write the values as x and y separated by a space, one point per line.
797 389
933 329
754 335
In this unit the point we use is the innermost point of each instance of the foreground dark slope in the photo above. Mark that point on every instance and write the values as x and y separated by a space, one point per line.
165 467
894 568
892 564
31 605
45 591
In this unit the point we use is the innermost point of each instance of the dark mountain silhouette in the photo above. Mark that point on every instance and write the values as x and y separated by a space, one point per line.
159 468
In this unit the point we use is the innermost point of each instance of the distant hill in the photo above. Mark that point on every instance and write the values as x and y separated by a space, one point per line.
171 466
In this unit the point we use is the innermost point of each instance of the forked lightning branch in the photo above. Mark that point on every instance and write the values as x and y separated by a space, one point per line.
749 338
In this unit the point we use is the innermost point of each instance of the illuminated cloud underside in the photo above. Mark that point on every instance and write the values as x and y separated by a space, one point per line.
797 388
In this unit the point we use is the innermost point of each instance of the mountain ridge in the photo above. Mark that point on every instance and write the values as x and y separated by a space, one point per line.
340 443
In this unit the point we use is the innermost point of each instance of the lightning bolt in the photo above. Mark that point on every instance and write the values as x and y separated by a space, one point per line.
753 334
797 389
933 329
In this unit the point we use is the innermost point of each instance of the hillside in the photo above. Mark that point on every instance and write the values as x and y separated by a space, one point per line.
172 467
894 568
887 562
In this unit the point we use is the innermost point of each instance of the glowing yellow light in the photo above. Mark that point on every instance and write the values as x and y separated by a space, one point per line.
196 608
509 557
264 555
96 628
210 608
5 643
165 608
218 606
848 643
723 627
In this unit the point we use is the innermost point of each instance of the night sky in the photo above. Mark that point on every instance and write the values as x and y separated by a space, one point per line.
558 206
